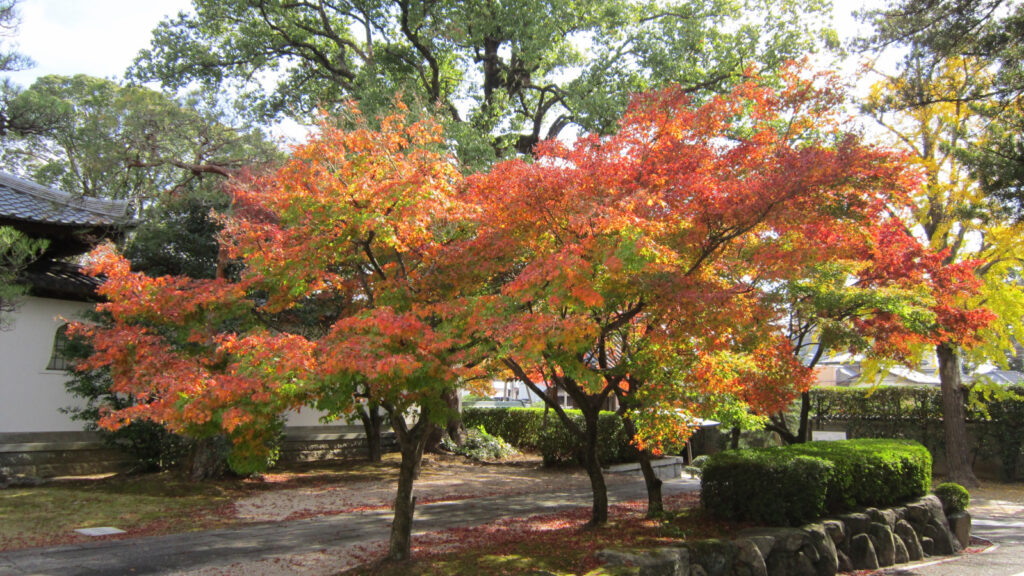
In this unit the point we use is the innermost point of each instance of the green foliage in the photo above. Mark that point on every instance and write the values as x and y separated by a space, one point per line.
504 75
954 497
769 486
541 430
178 236
17 251
106 140
988 30
872 472
995 417
798 483
151 445
480 446
248 458
696 468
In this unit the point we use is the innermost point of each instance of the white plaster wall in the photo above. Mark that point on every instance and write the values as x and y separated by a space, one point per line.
310 417
30 395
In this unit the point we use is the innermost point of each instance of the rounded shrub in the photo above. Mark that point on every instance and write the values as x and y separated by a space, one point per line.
799 483
768 486
480 446
954 497
532 429
872 471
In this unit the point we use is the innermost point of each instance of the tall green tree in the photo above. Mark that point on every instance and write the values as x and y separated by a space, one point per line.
127 142
925 107
11 60
990 31
504 75
17 251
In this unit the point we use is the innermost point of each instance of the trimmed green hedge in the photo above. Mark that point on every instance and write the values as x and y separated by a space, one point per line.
872 471
995 420
529 429
765 486
796 484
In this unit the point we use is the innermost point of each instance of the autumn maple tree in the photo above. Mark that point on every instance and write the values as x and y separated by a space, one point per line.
880 295
329 308
634 265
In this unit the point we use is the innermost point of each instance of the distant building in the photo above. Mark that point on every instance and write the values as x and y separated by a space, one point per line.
845 370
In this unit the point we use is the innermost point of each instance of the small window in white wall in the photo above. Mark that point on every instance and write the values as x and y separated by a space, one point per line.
58 357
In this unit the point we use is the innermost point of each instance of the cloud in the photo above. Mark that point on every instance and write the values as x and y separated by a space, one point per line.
98 37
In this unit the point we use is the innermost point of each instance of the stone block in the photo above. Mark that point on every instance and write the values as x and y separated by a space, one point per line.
716 557
660 562
862 553
928 546
944 541
856 523
902 556
827 562
885 516
921 512
791 564
960 525
905 532
749 561
835 530
845 565
882 541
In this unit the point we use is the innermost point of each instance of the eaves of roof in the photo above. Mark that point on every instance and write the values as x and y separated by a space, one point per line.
30 202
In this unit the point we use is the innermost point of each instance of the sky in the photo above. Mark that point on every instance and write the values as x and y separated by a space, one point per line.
102 37
96 37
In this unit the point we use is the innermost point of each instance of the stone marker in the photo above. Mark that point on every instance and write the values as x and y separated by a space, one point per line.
99 531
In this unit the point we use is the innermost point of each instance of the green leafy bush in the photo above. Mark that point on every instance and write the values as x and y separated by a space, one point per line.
954 497
532 429
696 468
480 446
872 471
795 484
995 417
767 486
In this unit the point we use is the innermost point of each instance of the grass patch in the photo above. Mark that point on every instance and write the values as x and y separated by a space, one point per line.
141 505
152 504
558 543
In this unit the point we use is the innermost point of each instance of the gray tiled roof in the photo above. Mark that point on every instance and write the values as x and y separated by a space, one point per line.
31 202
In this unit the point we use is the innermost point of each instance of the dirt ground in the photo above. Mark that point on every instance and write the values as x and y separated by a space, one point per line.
442 478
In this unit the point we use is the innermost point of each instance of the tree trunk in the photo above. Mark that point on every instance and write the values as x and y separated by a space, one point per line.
411 445
778 423
655 507
456 430
369 414
954 419
207 459
803 433
734 438
588 457
453 428
599 509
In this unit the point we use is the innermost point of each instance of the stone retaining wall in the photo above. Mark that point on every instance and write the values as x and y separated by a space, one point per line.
49 454
858 541
25 457
324 444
